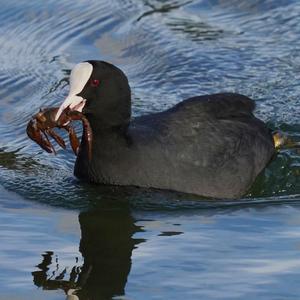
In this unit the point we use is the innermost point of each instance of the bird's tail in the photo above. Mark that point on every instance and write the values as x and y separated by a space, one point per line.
281 140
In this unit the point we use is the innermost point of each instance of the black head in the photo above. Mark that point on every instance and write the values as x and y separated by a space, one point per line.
101 91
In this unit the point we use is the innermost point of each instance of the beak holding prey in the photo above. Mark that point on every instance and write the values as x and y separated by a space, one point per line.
73 102
41 124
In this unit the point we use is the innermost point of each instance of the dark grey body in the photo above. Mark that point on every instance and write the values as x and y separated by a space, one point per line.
208 145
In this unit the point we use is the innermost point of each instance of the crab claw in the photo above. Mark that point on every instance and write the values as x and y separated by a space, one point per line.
35 134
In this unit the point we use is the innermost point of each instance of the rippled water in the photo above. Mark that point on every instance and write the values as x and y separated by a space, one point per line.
59 235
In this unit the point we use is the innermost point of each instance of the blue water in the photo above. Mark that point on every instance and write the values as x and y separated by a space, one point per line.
60 236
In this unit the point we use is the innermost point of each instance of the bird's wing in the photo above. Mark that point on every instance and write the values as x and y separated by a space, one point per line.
215 128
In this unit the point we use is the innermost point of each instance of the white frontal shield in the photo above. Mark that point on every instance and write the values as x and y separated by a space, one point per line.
80 75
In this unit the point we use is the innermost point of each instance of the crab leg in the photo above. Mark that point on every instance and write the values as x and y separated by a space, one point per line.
87 130
56 137
88 135
48 141
73 139
35 134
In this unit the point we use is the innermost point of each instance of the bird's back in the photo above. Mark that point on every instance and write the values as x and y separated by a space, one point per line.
209 145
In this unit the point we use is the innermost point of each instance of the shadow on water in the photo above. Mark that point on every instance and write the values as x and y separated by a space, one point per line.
106 246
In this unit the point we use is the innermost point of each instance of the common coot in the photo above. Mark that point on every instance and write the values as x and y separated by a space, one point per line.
208 145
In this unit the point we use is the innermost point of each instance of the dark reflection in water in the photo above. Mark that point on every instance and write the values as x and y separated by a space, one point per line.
106 246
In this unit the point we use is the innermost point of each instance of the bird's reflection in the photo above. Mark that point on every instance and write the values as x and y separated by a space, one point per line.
106 246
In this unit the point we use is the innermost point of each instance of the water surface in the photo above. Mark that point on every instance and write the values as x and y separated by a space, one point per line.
60 236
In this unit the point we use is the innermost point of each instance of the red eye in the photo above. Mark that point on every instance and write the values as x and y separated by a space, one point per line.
95 82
